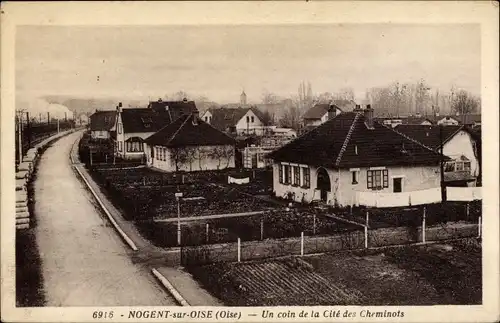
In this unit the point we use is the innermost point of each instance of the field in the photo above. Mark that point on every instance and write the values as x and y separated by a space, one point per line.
416 275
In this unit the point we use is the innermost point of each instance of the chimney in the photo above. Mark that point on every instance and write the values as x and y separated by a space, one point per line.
332 111
119 107
357 108
196 116
184 100
368 113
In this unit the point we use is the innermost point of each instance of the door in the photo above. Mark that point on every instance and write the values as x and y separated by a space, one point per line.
254 160
323 184
397 184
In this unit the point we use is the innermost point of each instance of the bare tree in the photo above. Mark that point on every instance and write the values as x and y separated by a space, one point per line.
291 118
222 154
269 98
267 118
465 103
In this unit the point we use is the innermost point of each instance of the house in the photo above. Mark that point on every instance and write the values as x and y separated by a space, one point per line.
190 144
133 125
470 120
352 153
319 114
235 121
458 143
447 121
413 120
254 155
101 123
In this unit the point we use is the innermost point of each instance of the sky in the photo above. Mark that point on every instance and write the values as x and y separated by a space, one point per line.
220 61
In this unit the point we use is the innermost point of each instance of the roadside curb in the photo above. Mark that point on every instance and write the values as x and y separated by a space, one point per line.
171 289
124 236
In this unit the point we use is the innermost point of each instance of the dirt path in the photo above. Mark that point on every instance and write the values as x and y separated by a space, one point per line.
84 262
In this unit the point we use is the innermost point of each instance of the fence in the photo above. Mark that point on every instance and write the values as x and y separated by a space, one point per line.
421 197
243 251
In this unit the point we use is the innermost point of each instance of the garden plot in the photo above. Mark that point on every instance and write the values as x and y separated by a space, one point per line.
438 274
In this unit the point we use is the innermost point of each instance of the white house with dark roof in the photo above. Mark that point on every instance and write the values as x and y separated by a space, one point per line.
319 114
237 121
190 144
352 154
133 125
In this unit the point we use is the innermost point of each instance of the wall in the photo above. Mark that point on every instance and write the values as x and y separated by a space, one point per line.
205 254
343 191
200 160
461 144
241 125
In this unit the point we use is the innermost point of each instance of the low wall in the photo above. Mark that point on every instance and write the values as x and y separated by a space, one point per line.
251 250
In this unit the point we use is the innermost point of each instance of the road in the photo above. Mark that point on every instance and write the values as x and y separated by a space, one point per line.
84 262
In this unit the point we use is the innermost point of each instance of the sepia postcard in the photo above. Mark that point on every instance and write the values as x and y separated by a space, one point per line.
288 161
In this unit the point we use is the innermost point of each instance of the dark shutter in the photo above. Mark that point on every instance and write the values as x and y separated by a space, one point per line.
386 178
281 173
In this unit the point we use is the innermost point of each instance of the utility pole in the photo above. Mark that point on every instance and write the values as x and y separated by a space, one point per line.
48 117
28 129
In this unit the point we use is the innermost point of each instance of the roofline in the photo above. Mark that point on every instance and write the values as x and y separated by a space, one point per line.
347 138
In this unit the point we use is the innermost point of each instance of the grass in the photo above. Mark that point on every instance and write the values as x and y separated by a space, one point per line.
440 274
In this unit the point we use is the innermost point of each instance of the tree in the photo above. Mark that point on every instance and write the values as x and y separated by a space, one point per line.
291 118
269 98
267 118
222 154
465 103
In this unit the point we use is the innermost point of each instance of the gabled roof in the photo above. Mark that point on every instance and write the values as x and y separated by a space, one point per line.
155 116
102 120
429 135
318 111
174 109
346 141
143 120
223 118
184 132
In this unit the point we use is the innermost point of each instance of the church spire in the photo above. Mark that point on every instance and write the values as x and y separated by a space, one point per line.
243 98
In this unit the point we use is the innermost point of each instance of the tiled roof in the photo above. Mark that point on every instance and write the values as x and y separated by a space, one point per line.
184 132
102 120
329 145
429 135
175 108
469 119
318 111
223 118
156 116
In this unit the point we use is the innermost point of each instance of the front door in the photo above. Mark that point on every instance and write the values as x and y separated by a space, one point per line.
397 184
323 184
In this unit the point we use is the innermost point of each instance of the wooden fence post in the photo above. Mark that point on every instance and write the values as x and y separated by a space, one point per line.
479 228
261 229
366 229
239 249
314 224
423 226
467 212
207 232
302 243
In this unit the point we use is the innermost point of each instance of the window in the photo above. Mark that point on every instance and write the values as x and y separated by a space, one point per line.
165 154
354 175
449 167
377 179
306 177
252 119
288 174
120 128
248 119
281 174
296 175
134 146
120 146
467 166
206 119
459 166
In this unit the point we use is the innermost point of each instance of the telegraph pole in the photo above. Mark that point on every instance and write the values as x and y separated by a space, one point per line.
28 129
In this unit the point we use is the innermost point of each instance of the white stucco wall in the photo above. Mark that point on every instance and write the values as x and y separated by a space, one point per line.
344 191
200 159
257 125
462 144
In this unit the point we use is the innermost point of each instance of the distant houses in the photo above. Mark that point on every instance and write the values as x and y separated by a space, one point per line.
319 114
236 121
352 153
101 123
457 142
469 120
133 125
190 144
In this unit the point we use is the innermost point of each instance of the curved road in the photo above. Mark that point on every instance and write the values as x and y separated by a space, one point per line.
84 262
